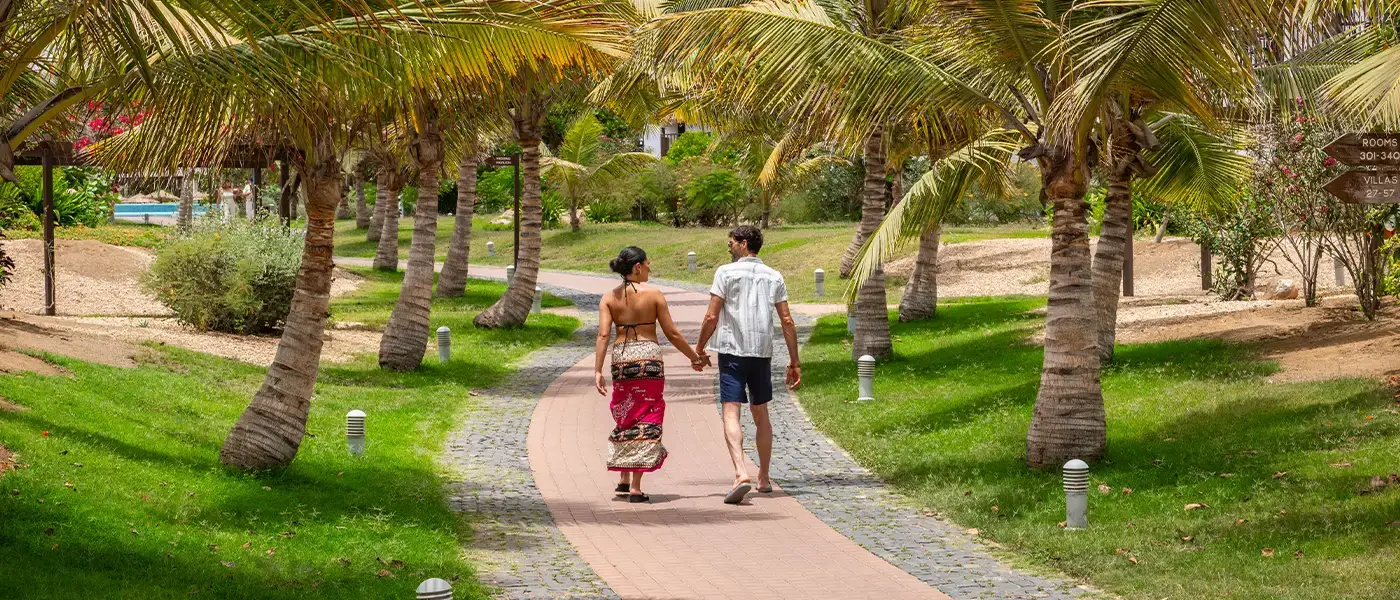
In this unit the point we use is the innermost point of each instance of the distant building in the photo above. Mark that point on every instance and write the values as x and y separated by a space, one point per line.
657 139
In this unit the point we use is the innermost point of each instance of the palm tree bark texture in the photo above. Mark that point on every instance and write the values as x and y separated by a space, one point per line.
406 334
381 195
453 280
362 216
514 307
269 432
872 316
920 300
1068 420
185 214
342 210
1128 141
386 254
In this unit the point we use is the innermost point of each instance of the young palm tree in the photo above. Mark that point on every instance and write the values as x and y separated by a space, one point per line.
406 334
452 282
580 170
362 213
390 180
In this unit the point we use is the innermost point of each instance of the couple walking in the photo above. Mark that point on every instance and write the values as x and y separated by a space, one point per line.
738 327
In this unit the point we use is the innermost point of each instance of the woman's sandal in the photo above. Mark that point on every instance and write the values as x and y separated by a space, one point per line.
623 489
634 498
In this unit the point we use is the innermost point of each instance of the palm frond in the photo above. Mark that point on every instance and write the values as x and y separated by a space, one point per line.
1198 168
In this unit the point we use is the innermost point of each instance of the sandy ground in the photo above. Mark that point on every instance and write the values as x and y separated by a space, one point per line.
100 297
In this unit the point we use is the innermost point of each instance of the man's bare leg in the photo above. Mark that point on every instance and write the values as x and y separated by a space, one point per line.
765 444
734 438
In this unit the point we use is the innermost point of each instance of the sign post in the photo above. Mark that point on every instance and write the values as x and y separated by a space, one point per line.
1368 186
512 160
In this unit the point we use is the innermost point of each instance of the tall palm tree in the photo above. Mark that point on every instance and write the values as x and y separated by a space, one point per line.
362 211
580 170
389 182
452 282
514 307
1048 65
406 334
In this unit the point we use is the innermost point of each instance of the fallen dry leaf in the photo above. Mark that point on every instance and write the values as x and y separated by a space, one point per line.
1269 552
974 531
1104 489
272 551
473 393
246 544
1227 475
1127 491
1132 559
1187 538
996 508
134 532
228 563
383 573
1196 505
1298 553
1370 417
1342 465
1280 474
1241 521
1061 525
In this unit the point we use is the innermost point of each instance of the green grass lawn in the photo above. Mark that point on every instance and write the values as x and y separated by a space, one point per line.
1191 422
796 251
123 496
121 233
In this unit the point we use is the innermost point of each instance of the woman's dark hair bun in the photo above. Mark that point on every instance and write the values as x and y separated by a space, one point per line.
626 260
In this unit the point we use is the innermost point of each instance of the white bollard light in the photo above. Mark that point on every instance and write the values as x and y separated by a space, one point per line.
690 262
537 307
821 282
146 218
865 372
851 321
444 344
1076 482
434 589
1339 271
490 248
355 431
510 274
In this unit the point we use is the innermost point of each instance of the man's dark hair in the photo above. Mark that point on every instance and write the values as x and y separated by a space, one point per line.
750 235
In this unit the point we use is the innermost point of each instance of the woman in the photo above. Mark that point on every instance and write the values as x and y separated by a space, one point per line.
226 200
638 375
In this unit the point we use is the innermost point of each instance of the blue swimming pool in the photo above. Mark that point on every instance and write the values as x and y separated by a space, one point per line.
165 209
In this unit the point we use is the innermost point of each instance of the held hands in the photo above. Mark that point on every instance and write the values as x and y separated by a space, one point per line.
599 383
794 376
700 361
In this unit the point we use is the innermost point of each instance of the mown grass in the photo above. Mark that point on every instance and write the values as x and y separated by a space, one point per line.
795 250
1188 422
122 495
118 234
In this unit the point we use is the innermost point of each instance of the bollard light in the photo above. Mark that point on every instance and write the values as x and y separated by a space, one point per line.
821 282
355 431
434 589
490 248
444 344
690 262
146 218
537 306
851 320
1339 271
865 372
1076 482
510 274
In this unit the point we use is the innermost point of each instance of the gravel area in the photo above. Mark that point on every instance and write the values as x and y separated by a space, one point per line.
516 547
92 279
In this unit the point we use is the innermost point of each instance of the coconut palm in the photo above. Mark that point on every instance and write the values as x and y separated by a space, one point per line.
452 282
514 307
1047 65
579 170
362 211
390 178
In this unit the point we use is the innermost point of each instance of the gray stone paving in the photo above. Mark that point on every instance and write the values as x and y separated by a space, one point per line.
829 483
516 546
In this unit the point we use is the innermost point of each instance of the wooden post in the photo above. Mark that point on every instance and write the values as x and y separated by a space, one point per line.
50 290
1205 268
284 209
516 249
257 191
1128 264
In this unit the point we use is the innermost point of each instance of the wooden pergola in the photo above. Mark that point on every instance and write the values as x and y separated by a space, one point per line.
50 154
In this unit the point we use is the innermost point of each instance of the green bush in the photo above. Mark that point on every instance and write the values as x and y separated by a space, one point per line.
715 197
553 206
81 196
831 195
687 145
236 278
495 190
608 210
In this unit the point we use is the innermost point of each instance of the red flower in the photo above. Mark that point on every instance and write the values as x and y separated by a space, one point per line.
1299 100
45 434
138 118
82 142
125 120
98 124
1301 120
1329 161
1298 138
117 131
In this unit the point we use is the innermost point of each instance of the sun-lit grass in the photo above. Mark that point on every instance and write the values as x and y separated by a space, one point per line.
1188 422
122 495
796 250
121 233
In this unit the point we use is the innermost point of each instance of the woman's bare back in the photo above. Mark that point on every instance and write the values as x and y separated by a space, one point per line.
634 305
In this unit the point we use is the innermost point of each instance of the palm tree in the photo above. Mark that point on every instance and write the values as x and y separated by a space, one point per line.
381 202
579 170
362 216
1048 65
452 282
389 182
406 334
514 307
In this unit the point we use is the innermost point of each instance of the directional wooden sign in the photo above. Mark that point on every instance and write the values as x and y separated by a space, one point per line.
1366 149
1366 187
503 160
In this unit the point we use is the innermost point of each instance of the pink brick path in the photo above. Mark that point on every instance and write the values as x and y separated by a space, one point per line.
686 543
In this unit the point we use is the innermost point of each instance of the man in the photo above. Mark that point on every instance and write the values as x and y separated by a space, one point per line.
745 295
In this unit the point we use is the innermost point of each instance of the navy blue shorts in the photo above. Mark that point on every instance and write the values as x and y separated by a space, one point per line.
739 372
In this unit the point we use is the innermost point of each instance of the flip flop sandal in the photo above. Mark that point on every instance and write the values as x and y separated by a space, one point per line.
737 494
623 488
636 498
765 490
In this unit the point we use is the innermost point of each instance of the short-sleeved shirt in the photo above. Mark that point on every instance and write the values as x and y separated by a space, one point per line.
750 290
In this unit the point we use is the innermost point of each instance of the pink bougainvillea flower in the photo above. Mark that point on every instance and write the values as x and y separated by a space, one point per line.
117 131
82 142
1329 161
1298 99
1298 138
124 119
98 123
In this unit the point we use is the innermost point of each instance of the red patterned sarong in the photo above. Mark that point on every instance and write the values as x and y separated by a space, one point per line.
638 407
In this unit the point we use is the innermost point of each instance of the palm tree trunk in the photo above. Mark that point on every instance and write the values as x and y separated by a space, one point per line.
185 215
1108 258
453 280
342 210
386 254
767 209
362 216
381 200
920 299
406 334
873 199
1068 419
269 432
872 316
573 213
513 307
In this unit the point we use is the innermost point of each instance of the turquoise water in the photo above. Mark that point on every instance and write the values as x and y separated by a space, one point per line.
165 209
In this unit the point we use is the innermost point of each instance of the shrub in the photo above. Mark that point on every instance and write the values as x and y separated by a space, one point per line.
552 207
688 145
715 197
236 278
607 210
81 196
832 195
495 190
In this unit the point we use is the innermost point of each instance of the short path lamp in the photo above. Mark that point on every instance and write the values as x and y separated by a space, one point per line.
1076 481
821 282
510 274
434 589
538 306
865 372
690 262
490 248
444 337
851 320
355 431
